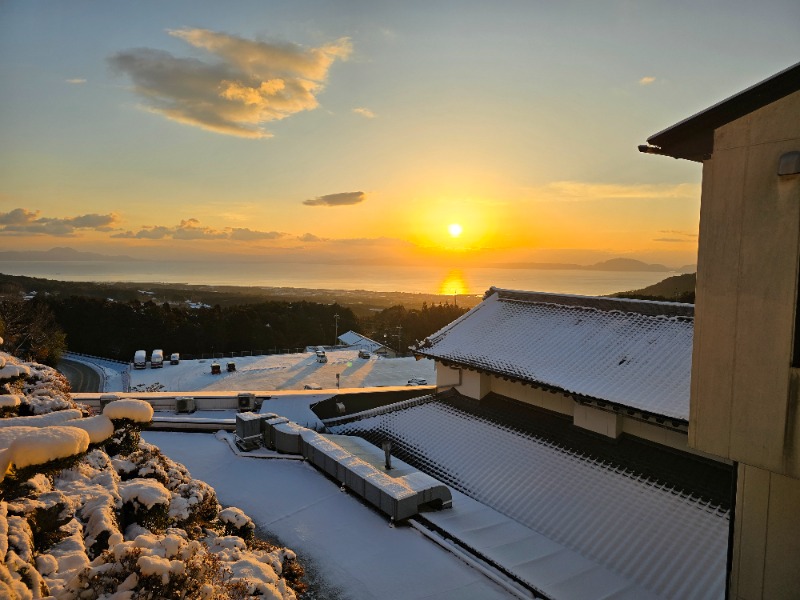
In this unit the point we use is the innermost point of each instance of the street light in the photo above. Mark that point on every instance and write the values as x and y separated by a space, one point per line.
336 334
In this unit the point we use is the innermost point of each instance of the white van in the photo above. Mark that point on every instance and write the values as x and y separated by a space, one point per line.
140 359
157 359
174 358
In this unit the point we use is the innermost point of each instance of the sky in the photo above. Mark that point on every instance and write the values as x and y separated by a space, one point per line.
316 131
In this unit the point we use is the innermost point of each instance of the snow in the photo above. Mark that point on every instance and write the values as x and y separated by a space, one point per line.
11 371
44 444
138 411
285 372
235 517
351 545
636 354
54 418
99 427
144 492
9 400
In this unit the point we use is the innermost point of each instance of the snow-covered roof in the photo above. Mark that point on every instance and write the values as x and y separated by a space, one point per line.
651 535
351 338
633 353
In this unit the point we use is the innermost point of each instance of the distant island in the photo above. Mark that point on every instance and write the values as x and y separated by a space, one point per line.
613 264
58 255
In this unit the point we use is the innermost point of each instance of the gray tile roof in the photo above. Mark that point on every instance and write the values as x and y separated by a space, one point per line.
632 353
651 535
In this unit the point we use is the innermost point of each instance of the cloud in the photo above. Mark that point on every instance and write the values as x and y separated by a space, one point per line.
76 80
364 112
310 237
647 80
246 84
584 191
341 199
22 221
191 229
677 236
249 234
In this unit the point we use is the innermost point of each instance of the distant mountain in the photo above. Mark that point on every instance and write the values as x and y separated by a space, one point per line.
613 264
58 254
626 264
679 288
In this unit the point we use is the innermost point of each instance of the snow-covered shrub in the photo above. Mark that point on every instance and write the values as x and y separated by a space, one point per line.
78 524
39 388
146 502
237 523
129 416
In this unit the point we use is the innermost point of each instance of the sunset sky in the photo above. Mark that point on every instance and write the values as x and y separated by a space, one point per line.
328 131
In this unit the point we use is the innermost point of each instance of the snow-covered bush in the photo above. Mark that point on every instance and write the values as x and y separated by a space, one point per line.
128 417
77 523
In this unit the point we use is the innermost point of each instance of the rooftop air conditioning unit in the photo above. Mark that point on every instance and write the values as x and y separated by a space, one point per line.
247 402
248 430
185 405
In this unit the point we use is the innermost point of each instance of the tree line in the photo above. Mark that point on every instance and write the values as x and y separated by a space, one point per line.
43 328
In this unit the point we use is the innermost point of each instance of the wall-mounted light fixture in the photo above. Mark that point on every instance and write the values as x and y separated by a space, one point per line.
789 164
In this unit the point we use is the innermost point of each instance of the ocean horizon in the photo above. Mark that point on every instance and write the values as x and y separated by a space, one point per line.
425 280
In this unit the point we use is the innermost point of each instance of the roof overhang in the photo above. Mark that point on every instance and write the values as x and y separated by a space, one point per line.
693 138
668 422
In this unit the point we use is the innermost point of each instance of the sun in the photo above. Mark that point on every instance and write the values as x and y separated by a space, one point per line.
455 230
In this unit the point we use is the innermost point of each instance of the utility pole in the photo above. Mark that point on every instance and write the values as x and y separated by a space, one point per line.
336 334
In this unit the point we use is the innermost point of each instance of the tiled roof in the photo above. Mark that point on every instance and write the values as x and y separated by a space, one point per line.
633 353
351 338
671 543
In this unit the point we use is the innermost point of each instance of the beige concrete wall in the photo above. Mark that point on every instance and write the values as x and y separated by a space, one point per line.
741 406
766 536
447 377
534 396
475 385
604 422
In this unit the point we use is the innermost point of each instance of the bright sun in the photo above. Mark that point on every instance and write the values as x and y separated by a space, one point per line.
455 229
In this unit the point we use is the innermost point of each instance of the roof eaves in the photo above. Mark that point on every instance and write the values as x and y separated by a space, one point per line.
669 422
693 137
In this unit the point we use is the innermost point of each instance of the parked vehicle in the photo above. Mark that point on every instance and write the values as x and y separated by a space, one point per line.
231 367
157 359
174 358
363 354
215 369
140 359
321 356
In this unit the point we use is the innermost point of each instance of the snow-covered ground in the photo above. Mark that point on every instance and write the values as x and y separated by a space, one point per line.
280 372
351 546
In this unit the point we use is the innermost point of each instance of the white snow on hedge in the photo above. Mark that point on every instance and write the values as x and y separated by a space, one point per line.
44 444
145 492
236 517
99 427
11 371
9 400
54 418
138 411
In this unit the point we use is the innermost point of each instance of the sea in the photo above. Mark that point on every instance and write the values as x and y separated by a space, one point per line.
425 279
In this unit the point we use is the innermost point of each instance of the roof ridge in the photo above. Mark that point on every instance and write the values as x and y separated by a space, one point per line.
605 303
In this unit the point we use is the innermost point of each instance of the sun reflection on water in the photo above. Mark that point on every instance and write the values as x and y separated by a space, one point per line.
454 284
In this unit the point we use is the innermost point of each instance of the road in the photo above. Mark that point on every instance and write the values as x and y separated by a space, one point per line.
82 378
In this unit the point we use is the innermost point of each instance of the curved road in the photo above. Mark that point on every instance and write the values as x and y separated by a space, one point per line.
81 377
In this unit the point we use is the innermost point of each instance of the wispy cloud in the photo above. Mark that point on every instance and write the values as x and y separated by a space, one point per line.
246 84
676 236
585 191
647 80
191 229
341 199
364 112
76 80
22 221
